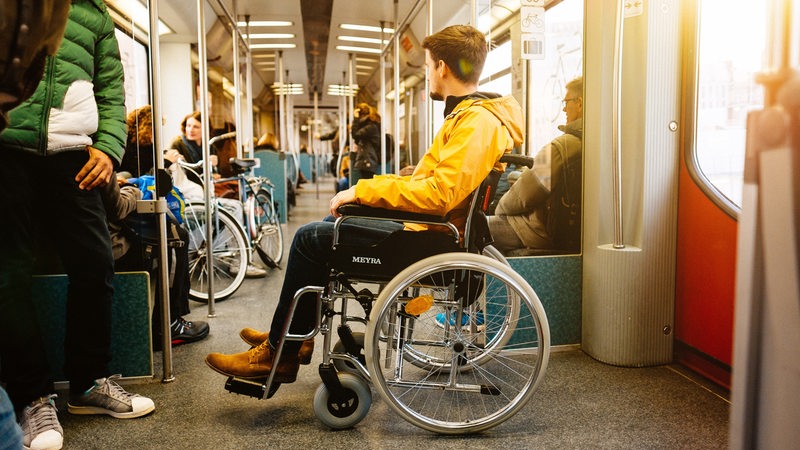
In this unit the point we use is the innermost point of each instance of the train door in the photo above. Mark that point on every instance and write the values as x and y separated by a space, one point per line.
720 89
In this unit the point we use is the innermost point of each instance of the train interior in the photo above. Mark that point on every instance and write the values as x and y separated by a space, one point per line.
674 322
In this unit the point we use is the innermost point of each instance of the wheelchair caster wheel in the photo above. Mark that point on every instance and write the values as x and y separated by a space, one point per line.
344 409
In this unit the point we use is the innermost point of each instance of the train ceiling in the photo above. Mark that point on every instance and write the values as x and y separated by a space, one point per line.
315 36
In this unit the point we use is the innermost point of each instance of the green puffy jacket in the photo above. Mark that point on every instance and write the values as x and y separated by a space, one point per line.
80 100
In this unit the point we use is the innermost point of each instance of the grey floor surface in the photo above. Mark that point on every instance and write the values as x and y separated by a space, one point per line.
581 403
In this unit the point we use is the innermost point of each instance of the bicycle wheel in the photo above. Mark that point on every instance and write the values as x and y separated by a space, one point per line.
229 253
267 227
485 354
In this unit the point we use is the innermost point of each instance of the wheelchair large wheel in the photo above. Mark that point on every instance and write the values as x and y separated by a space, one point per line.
267 227
229 248
474 320
476 355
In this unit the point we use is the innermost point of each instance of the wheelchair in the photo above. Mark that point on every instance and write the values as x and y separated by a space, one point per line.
453 340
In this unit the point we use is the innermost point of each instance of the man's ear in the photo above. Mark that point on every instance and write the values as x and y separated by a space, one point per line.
443 68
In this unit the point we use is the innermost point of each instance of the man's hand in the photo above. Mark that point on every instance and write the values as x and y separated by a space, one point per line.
407 170
343 197
97 170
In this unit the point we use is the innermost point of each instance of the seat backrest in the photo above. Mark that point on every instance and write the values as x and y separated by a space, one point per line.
476 233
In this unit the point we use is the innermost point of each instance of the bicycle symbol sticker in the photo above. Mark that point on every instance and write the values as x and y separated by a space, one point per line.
532 19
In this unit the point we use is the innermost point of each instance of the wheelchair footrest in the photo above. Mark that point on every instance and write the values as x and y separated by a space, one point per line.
252 388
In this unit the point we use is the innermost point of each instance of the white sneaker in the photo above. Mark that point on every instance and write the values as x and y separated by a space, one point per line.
255 272
108 397
40 427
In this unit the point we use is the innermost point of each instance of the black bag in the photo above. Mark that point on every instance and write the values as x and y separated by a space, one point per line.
564 205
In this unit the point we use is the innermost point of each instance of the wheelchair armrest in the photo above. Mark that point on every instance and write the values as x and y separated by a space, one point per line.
352 209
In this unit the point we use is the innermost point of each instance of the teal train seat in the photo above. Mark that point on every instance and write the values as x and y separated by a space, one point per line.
130 328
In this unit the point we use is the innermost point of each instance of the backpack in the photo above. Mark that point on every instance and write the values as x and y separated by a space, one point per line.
175 201
564 204
144 227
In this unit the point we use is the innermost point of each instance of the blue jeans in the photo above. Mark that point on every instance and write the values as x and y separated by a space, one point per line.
40 194
307 265
10 432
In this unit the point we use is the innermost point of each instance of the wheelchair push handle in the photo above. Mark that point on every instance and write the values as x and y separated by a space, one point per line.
518 160
352 209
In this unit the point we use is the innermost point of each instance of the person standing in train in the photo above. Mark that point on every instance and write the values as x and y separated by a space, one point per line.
366 132
541 210
21 68
478 129
61 145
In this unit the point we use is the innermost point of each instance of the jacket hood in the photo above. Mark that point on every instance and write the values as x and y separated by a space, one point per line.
574 128
508 112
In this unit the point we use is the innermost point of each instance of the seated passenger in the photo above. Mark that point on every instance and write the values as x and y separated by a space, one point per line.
479 128
189 144
541 210
187 147
119 199
139 156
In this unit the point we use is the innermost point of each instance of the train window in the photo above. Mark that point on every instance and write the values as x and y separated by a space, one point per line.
135 66
548 77
731 36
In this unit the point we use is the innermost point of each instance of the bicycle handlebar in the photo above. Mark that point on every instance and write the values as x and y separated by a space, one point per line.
229 135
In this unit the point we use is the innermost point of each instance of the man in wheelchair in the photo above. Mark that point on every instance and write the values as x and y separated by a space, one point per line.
479 128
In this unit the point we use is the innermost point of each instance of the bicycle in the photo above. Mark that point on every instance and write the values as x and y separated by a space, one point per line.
253 227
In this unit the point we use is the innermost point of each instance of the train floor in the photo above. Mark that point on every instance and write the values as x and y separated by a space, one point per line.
581 403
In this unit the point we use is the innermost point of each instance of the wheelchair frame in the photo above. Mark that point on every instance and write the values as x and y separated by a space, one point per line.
472 377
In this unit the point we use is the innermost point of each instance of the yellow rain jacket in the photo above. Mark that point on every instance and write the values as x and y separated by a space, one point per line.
468 146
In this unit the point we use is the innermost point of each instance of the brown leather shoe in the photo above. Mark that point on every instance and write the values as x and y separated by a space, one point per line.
255 363
255 337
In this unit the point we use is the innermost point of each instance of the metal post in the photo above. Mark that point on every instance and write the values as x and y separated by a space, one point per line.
163 274
396 76
312 144
237 99
203 69
342 128
247 126
409 125
428 102
382 104
350 107
616 134
282 102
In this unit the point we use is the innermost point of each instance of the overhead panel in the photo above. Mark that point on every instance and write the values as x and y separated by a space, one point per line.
316 30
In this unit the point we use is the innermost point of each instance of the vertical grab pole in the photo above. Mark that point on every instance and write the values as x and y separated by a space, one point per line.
350 106
342 127
163 275
282 102
382 66
237 86
616 123
428 102
396 77
314 149
203 69
247 126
